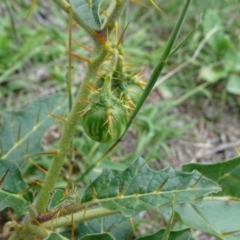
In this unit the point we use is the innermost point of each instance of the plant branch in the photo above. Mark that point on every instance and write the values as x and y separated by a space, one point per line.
67 135
72 120
79 217
116 13
67 220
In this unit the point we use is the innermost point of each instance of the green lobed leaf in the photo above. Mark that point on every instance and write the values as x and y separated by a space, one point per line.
88 11
100 236
58 197
21 132
218 216
226 174
139 188
55 236
233 84
11 188
117 225
183 234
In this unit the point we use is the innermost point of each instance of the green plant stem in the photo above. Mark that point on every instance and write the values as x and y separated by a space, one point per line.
116 13
67 135
80 103
63 221
79 217
163 60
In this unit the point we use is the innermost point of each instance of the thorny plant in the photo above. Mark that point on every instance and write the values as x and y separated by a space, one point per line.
108 100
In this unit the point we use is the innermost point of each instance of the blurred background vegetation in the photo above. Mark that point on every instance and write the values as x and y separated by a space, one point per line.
191 115
199 88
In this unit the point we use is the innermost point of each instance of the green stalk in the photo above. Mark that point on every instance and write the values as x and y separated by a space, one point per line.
163 60
79 217
74 116
63 221
67 135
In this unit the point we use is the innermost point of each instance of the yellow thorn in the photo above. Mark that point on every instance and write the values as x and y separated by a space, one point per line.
84 111
121 37
72 227
156 6
195 184
38 116
93 192
57 117
79 57
89 3
104 13
75 151
161 186
139 3
141 83
229 233
121 189
19 134
132 224
81 45
55 153
25 190
139 169
38 167
3 177
139 191
39 224
116 31
100 38
31 8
